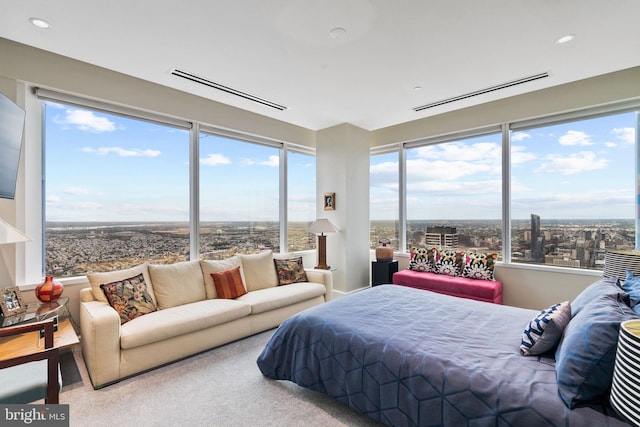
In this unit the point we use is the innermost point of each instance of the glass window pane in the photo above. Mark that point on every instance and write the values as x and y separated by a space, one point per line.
384 199
301 201
239 197
116 189
573 191
454 193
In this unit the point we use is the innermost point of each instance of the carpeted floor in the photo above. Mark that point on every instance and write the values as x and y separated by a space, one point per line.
222 387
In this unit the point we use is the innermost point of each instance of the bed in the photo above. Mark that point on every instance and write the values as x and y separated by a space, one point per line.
409 357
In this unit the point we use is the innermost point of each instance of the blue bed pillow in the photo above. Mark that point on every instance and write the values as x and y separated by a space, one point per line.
545 330
631 286
606 286
586 353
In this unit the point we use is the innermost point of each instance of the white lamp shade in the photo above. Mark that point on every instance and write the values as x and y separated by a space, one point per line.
321 226
625 388
8 234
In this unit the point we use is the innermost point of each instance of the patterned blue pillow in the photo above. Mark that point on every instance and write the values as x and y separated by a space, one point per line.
544 332
586 353
631 285
606 286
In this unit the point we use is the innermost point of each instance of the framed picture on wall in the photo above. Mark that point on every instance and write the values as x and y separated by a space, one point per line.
329 201
11 302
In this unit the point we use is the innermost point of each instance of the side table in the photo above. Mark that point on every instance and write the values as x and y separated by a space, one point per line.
382 272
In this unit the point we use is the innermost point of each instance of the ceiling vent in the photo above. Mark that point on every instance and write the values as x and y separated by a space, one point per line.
483 91
227 89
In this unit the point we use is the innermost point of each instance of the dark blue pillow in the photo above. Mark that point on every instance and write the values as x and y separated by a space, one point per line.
606 286
631 286
586 354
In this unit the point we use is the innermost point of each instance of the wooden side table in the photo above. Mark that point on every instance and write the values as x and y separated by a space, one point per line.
382 272
30 342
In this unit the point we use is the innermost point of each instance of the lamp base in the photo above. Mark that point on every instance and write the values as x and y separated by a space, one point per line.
322 267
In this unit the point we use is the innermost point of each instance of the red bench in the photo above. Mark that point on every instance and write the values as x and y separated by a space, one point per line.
463 287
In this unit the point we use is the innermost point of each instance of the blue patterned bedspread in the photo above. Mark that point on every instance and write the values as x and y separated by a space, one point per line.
409 357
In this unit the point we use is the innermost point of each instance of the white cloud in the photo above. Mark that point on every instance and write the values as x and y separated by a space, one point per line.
122 152
519 136
85 121
575 137
272 161
627 135
53 199
215 160
77 191
574 163
519 155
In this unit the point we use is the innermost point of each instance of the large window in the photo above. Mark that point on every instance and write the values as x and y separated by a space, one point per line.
573 191
239 197
568 193
116 191
454 194
301 188
384 199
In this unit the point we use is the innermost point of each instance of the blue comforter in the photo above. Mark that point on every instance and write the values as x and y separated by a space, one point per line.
409 357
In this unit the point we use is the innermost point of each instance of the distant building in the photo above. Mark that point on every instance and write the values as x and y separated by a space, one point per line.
537 240
442 237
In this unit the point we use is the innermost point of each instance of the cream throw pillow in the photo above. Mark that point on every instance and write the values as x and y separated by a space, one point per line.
259 271
213 266
97 279
177 284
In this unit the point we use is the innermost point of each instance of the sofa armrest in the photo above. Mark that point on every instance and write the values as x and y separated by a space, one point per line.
324 277
100 332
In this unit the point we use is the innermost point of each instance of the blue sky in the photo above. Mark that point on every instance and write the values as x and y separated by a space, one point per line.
577 170
102 167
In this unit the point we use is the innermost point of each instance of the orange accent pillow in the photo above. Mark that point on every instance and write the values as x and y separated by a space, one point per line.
228 283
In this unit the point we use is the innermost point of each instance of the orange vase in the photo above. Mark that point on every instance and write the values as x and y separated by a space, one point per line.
50 290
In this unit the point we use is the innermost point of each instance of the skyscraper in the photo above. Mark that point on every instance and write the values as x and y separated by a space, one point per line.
442 237
537 240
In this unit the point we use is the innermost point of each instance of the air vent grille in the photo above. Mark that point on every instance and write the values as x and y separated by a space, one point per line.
483 91
227 89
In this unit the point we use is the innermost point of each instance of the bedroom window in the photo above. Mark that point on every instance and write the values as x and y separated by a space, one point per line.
301 190
384 199
454 193
116 191
239 197
573 191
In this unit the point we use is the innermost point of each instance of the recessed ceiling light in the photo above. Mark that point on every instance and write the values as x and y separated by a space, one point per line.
40 23
417 88
566 39
337 33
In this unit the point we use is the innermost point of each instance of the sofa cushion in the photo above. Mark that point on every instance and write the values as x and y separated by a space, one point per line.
449 262
421 260
97 279
478 265
177 284
129 297
171 322
290 270
281 296
209 266
258 271
228 283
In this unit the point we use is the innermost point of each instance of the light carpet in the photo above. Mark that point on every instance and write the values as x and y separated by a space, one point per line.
222 387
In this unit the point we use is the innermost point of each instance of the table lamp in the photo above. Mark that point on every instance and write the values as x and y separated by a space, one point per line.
321 226
616 263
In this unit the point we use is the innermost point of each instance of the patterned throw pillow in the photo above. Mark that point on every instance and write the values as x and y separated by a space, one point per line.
228 283
479 266
448 262
420 260
129 297
290 271
544 332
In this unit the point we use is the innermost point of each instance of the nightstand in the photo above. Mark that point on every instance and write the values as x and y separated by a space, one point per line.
382 272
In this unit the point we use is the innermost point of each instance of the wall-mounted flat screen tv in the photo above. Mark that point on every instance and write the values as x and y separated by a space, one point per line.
11 130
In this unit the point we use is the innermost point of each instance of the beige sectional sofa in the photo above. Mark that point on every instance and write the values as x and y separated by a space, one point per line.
188 317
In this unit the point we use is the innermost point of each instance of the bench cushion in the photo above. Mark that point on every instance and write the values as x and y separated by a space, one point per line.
464 287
